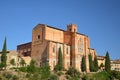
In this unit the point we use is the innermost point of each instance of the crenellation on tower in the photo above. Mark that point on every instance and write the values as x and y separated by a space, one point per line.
72 28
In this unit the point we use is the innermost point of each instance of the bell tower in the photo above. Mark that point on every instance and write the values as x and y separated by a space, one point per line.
72 28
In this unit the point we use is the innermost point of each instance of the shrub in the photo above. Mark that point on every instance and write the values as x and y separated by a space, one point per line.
53 77
73 72
23 69
45 72
67 77
1 78
56 68
115 74
74 78
36 76
102 76
59 73
28 75
8 76
85 77
15 77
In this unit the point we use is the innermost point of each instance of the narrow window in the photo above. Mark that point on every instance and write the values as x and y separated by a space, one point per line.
38 36
70 29
54 49
67 50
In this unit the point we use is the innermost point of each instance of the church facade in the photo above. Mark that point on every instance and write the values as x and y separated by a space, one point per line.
46 41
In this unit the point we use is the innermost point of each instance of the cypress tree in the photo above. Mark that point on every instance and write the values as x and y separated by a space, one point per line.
4 52
60 60
91 65
95 64
83 64
59 65
107 63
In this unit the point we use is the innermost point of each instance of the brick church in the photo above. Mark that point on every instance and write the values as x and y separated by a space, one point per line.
46 41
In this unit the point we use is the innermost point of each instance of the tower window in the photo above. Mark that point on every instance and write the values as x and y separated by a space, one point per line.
70 29
38 36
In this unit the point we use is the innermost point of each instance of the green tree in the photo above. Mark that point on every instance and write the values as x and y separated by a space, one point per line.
45 72
4 52
107 63
91 65
59 65
83 64
12 62
95 64
22 62
31 67
60 59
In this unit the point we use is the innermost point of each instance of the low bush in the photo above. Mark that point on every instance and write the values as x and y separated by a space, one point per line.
8 76
59 73
28 75
102 76
68 77
15 77
73 72
23 69
115 74
53 77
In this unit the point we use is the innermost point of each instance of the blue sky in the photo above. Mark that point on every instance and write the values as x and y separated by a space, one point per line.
99 19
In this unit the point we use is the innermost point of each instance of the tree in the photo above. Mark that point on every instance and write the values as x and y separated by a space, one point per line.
31 67
83 64
91 65
22 62
4 52
59 65
107 63
45 72
12 62
95 64
60 60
